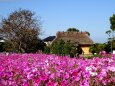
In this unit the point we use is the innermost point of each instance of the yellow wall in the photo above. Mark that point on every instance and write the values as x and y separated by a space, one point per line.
86 50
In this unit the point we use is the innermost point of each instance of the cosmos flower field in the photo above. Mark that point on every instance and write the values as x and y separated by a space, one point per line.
52 70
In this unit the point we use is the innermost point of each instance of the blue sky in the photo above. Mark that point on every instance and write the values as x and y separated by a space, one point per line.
59 15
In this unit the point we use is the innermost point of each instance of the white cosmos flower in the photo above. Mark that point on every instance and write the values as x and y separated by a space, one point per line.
111 68
93 73
47 63
90 70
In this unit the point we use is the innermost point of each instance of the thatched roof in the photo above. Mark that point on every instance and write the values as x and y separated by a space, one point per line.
81 38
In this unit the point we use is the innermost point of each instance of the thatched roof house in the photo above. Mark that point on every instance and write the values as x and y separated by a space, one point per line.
76 38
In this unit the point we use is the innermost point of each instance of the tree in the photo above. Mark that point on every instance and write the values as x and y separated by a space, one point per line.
57 47
112 27
7 46
22 29
108 33
111 32
108 47
67 48
87 33
46 49
63 48
112 22
96 48
72 29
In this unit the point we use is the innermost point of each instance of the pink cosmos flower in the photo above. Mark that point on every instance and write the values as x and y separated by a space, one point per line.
66 75
26 84
63 83
37 81
51 83
75 73
16 69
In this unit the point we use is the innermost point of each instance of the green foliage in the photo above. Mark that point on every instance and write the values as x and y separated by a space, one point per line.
93 49
96 48
67 48
46 49
62 48
111 40
100 47
72 29
110 45
112 22
108 33
35 46
57 47
107 48
8 46
88 33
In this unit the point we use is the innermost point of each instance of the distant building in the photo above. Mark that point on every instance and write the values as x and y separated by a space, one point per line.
76 38
48 41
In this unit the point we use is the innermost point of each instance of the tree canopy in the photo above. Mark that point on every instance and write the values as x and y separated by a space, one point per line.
72 29
87 33
76 30
112 22
108 32
22 29
63 48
